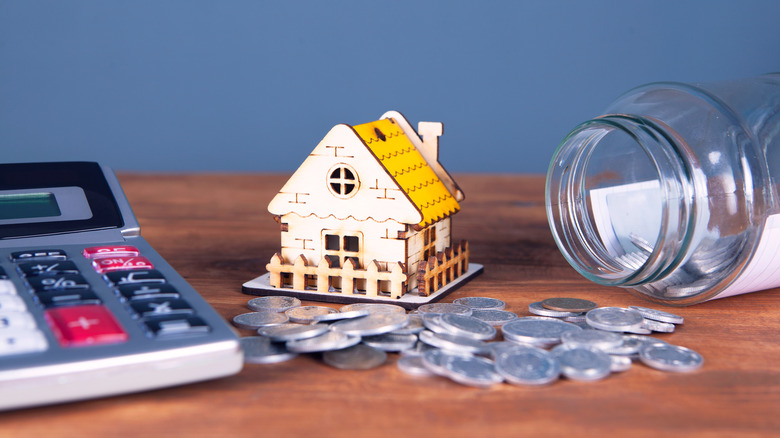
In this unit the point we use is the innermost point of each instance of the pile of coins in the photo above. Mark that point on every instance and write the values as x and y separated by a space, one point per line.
568 337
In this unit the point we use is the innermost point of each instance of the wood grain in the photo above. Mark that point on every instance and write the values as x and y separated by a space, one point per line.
215 230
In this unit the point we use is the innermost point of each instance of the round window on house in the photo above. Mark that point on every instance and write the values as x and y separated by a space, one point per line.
343 181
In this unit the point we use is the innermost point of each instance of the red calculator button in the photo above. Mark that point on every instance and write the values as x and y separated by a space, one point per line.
111 251
77 326
113 264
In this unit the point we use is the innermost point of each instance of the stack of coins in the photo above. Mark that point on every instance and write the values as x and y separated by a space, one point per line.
566 337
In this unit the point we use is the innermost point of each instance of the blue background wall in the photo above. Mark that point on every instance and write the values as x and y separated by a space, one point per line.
254 85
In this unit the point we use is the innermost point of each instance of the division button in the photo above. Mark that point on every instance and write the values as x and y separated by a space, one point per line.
177 326
77 326
145 276
95 252
48 267
113 264
38 254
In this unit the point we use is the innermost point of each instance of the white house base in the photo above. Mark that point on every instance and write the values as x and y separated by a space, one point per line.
410 300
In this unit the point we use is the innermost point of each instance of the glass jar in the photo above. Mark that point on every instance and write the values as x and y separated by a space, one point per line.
673 193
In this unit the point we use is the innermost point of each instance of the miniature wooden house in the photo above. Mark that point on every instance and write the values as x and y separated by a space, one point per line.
372 196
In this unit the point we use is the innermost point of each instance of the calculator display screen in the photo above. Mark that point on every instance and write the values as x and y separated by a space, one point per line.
28 205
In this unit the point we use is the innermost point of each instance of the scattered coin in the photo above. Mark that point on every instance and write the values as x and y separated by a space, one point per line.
574 305
615 319
418 349
391 341
631 345
356 357
536 331
658 326
415 326
528 366
482 303
496 348
292 332
593 338
276 304
413 365
327 341
373 324
658 315
337 316
434 360
496 318
306 314
467 326
620 364
668 357
260 349
373 308
446 341
539 309
582 363
432 322
445 308
256 320
471 371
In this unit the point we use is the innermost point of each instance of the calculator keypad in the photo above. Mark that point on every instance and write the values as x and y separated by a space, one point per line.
18 331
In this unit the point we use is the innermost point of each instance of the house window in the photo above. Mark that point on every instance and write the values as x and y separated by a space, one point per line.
340 247
343 181
429 242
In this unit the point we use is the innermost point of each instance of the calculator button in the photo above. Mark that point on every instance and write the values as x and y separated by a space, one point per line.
111 251
30 269
7 288
143 291
160 307
16 321
67 298
44 283
121 278
39 254
177 326
84 325
21 341
112 264
12 303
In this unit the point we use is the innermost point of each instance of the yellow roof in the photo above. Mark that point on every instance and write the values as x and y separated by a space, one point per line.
409 169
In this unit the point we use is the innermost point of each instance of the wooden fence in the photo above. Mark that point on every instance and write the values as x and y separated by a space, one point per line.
442 268
322 276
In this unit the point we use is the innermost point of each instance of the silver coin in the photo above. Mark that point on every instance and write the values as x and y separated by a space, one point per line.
471 371
256 320
337 316
450 342
575 319
356 357
582 363
273 303
413 366
434 360
631 345
658 326
292 332
306 314
483 303
415 325
536 330
373 308
432 322
496 318
538 309
658 315
620 363
418 349
327 341
528 366
668 357
391 341
373 324
445 308
467 326
614 319
565 304
639 331
593 338
494 349
260 349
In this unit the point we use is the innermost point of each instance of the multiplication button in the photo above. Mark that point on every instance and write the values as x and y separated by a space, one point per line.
156 307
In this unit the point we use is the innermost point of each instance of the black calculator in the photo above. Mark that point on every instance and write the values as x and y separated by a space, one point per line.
87 307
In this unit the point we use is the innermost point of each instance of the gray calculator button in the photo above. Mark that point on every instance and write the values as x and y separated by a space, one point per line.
160 307
177 326
7 288
21 341
38 254
44 283
145 291
67 298
143 276
48 268
12 303
16 321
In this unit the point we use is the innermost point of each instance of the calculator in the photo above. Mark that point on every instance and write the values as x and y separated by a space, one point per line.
87 307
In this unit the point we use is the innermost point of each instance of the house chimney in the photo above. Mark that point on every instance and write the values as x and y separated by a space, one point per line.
429 132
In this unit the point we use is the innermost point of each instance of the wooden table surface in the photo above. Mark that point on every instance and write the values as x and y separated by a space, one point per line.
215 230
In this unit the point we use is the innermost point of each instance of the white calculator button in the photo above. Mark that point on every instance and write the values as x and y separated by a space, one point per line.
12 303
21 341
7 287
16 320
